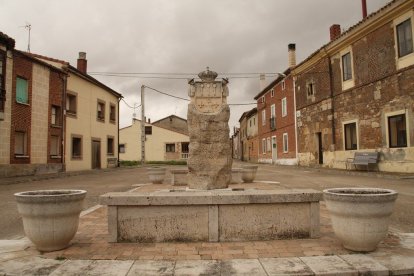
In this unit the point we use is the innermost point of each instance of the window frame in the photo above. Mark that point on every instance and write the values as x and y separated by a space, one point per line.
344 124
283 85
272 92
3 58
58 144
268 145
349 82
346 61
112 118
263 117
285 140
108 148
408 59
27 90
102 104
58 120
388 117
310 85
80 156
409 21
169 146
69 112
284 107
25 144
264 146
120 147
148 132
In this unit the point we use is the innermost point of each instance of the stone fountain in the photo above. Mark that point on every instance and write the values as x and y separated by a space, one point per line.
208 210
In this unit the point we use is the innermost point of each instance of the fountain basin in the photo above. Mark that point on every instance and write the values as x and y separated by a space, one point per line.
212 215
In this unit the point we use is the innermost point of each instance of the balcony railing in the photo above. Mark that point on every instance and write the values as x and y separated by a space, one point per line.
184 155
272 123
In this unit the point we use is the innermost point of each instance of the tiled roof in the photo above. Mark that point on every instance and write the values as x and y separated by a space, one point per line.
49 58
7 40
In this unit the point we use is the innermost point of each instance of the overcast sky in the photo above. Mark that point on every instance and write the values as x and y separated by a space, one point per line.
177 36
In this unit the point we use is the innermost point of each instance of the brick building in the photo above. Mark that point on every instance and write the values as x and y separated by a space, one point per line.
356 93
32 120
276 117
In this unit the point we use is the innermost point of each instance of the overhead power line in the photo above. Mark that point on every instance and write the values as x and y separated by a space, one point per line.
177 76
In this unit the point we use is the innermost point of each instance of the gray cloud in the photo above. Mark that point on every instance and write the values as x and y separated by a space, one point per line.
181 36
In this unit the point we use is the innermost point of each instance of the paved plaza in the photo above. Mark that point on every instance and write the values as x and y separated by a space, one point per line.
91 254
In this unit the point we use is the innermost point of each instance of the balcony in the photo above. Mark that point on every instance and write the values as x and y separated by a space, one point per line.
272 123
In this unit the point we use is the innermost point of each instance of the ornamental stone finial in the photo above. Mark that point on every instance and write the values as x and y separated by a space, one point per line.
207 75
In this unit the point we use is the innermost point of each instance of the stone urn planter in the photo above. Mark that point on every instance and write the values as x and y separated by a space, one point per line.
50 217
249 173
360 216
156 174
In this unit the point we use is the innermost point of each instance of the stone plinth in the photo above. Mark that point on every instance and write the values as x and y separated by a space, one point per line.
213 215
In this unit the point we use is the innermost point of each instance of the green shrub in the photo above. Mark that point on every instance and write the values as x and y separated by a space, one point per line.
127 163
170 162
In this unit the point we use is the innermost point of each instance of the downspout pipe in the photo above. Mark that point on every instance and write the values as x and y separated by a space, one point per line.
119 162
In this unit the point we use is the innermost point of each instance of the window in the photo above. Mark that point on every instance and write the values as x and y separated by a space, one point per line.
20 143
55 120
285 143
110 146
148 130
250 122
346 67
283 85
310 89
71 104
263 145
397 131
263 99
284 107
169 147
54 146
2 80
254 121
22 93
121 148
101 111
351 141
112 113
76 147
405 38
263 117
272 93
268 145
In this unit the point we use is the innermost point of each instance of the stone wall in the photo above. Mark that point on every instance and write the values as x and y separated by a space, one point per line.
6 123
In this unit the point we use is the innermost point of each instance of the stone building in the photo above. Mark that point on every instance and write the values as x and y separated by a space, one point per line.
32 117
161 144
236 145
248 136
356 93
173 123
276 117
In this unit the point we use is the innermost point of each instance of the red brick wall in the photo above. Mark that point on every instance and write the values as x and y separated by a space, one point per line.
21 113
264 131
56 87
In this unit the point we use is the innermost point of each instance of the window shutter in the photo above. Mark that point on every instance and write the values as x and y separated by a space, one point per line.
21 91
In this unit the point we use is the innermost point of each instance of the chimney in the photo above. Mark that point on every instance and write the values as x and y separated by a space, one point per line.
149 120
335 31
292 55
364 8
82 62
262 82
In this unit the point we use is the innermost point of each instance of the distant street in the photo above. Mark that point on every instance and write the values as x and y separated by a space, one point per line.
100 182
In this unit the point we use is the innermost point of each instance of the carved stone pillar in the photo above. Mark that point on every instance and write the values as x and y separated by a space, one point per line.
209 161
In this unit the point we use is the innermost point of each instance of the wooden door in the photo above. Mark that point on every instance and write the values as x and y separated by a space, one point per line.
96 154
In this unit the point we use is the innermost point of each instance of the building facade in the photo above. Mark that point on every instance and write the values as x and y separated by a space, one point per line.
356 93
173 123
32 118
91 118
161 144
252 135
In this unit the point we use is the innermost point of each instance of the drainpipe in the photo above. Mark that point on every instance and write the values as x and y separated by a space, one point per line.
118 162
331 84
296 123
63 146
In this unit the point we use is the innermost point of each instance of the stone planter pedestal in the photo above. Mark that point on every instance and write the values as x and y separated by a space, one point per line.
249 173
50 217
156 174
360 216
236 175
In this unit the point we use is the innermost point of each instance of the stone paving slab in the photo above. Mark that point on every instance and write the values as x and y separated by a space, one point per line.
397 264
329 265
365 264
197 267
243 267
93 268
152 268
29 266
285 266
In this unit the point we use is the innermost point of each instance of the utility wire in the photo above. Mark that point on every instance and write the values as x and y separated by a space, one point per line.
180 98
132 107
